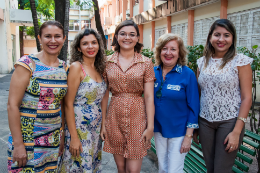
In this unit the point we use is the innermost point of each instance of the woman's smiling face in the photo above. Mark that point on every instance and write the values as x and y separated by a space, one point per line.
170 53
89 46
127 37
221 39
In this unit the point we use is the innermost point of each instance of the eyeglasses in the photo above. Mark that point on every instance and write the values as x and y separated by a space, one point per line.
123 34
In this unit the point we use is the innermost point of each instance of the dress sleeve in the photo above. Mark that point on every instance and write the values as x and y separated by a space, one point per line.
193 102
149 71
26 62
243 60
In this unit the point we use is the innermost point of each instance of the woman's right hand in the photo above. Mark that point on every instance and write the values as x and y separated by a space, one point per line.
75 147
19 155
103 133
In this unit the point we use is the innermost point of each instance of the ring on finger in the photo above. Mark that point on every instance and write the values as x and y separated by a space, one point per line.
231 147
16 163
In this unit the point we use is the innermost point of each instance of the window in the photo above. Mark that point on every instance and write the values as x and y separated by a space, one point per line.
201 30
247 25
85 24
182 31
74 25
158 33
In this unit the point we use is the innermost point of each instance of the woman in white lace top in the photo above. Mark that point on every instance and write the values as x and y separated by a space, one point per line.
225 80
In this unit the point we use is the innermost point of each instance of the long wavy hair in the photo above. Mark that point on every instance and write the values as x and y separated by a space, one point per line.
76 55
138 45
163 40
209 50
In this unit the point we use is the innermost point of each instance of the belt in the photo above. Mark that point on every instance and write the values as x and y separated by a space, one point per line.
126 95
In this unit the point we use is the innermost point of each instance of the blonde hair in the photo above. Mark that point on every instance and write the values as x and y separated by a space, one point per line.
163 40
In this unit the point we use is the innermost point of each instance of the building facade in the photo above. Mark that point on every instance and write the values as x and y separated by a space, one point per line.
10 20
191 19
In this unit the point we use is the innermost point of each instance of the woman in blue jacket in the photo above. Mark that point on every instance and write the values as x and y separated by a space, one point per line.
176 103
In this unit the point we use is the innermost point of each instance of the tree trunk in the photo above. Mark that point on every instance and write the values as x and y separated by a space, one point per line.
35 23
21 29
60 6
64 50
98 23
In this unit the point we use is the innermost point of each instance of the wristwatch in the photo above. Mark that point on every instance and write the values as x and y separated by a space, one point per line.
243 119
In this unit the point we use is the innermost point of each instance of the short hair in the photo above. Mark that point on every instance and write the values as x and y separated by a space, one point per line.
138 45
54 23
163 40
209 49
100 62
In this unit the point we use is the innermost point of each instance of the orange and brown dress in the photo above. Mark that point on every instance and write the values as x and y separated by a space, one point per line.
126 119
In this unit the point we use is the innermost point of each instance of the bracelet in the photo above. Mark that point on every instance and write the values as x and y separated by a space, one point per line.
189 136
243 119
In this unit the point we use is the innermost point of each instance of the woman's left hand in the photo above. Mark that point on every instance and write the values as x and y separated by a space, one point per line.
147 136
186 144
62 141
233 140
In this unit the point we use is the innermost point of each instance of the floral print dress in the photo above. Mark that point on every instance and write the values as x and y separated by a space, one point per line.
40 116
88 116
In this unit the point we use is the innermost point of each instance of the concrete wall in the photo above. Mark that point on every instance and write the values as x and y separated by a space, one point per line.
240 5
211 10
179 18
147 35
162 23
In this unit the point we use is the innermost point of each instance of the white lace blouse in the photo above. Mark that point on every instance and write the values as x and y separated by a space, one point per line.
220 91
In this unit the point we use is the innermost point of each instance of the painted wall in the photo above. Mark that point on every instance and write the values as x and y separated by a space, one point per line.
17 44
6 63
147 35
162 23
208 11
30 50
72 35
2 4
136 10
159 2
179 18
147 5
240 5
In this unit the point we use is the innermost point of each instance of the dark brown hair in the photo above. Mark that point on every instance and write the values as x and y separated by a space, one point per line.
54 23
209 50
100 62
138 45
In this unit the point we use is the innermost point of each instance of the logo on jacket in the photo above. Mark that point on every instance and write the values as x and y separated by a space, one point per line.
155 85
174 87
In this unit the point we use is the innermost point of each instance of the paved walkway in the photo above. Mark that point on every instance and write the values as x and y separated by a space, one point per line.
149 162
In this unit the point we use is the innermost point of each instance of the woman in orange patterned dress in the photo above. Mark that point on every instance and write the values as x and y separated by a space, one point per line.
128 126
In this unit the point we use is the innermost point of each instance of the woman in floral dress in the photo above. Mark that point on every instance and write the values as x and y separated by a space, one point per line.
86 89
37 88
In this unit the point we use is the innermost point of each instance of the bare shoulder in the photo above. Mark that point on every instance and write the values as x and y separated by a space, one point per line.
75 66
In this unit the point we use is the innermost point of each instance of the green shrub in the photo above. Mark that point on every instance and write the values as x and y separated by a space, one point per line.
148 53
109 52
195 52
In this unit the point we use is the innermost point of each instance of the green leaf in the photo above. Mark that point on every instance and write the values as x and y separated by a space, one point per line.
255 47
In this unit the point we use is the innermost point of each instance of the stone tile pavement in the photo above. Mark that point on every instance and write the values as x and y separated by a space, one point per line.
149 162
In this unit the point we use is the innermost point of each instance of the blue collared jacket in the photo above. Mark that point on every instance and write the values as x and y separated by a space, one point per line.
179 105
